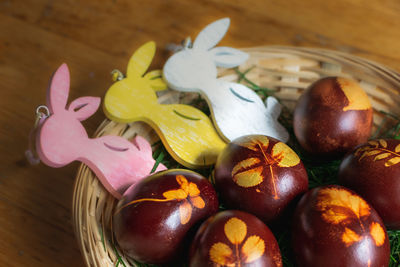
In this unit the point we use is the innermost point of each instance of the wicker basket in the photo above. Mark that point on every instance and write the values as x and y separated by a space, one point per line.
288 70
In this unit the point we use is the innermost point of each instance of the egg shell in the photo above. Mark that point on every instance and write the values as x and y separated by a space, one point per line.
234 238
333 226
332 116
154 217
373 171
259 175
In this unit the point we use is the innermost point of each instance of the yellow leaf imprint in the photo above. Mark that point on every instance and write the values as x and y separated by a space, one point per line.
397 149
373 143
382 156
244 164
254 143
338 205
284 155
235 230
377 233
349 237
392 161
249 178
369 153
253 248
383 143
358 99
221 254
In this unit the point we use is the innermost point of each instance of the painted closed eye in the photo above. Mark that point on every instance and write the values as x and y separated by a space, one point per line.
118 149
185 116
239 96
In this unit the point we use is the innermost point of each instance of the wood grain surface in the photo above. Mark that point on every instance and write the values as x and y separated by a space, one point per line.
94 37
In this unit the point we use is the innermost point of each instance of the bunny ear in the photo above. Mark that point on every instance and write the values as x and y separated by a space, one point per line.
84 107
155 80
57 93
211 34
228 57
141 59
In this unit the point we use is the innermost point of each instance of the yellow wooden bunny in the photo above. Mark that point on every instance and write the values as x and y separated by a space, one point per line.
186 132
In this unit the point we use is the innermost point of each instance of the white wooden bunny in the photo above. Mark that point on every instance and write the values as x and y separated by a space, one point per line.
236 109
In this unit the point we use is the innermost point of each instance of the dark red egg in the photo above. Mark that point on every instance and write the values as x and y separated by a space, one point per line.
154 216
260 175
234 238
373 171
333 226
332 116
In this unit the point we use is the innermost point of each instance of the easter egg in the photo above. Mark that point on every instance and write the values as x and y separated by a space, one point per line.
234 238
260 175
153 217
373 171
332 116
333 226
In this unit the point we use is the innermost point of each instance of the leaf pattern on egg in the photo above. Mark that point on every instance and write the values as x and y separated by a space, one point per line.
378 149
236 231
251 171
188 194
341 207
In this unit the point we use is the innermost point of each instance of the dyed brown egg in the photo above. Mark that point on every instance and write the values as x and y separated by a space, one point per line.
332 116
260 175
373 171
153 218
234 238
333 226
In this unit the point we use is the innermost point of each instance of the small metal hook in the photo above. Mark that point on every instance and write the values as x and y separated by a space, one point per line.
117 75
187 43
42 112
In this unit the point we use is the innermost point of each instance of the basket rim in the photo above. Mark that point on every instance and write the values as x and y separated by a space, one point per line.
84 179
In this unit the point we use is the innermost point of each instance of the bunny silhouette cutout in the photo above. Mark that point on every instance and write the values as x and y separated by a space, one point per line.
62 139
236 109
186 132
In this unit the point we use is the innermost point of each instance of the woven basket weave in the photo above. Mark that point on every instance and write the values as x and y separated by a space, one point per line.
287 70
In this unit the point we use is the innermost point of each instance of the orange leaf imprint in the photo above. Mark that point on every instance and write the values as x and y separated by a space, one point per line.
253 248
378 234
338 206
222 254
188 193
236 231
341 206
349 237
185 212
198 202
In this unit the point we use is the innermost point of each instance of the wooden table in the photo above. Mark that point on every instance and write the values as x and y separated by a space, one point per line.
94 37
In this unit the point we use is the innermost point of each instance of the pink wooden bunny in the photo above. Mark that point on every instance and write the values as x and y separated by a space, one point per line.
117 162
